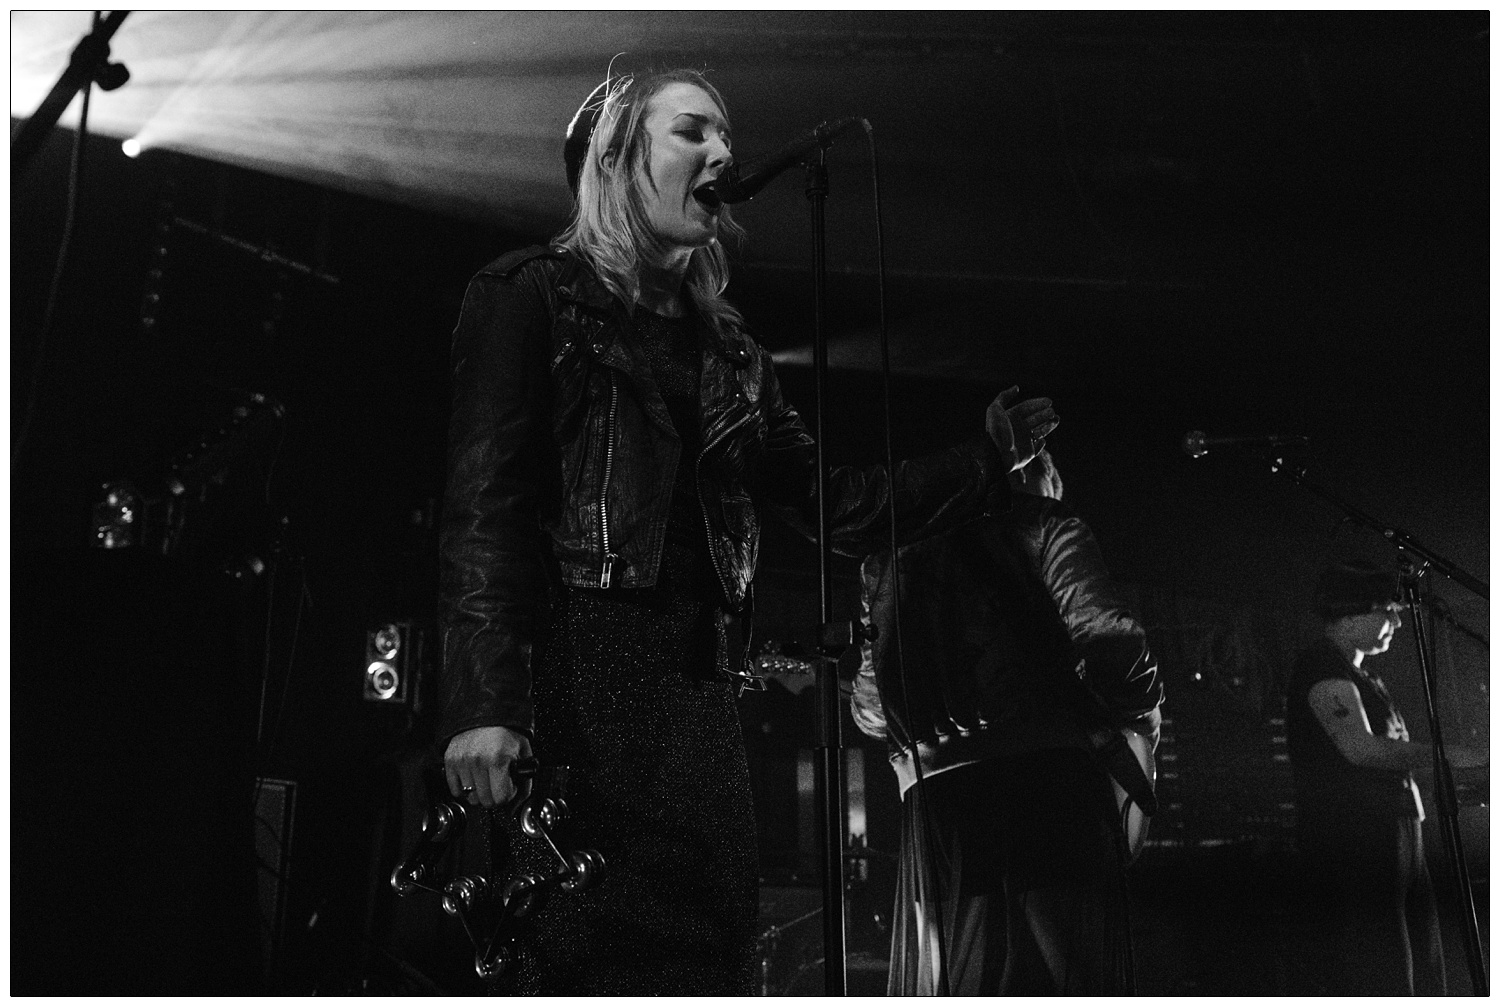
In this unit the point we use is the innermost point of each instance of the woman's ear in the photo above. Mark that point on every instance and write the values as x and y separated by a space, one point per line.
607 160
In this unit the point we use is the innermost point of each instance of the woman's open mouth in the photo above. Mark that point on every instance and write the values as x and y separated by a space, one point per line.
708 197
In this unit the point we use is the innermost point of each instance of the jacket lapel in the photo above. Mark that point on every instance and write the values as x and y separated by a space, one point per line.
607 326
722 390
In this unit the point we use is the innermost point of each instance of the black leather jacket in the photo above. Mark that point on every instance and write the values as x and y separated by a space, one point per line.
1014 639
561 460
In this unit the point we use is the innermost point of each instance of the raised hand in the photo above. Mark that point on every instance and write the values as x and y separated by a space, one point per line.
1019 429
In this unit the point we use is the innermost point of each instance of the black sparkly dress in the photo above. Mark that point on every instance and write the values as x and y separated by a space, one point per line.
632 694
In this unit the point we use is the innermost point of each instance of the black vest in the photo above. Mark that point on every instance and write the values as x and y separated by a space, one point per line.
1335 798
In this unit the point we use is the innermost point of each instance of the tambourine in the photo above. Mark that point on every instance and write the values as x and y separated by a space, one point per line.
495 908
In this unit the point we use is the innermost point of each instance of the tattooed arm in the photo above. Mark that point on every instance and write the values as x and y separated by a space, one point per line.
1336 703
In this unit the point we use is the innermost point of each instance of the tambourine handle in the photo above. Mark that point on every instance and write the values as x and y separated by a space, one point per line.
524 769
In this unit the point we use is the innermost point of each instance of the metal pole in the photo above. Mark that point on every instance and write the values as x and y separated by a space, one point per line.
829 779
1443 773
88 57
1442 780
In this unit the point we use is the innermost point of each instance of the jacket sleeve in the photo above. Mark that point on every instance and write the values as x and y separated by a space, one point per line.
1117 666
492 584
932 494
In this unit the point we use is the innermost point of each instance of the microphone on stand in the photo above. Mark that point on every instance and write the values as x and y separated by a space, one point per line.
1196 444
736 185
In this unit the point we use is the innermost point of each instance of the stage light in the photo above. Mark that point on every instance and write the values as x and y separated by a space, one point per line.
131 147
454 111
116 516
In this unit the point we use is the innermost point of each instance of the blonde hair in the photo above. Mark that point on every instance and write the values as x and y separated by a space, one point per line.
609 227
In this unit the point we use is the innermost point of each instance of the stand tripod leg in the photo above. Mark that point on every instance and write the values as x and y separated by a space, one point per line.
1443 783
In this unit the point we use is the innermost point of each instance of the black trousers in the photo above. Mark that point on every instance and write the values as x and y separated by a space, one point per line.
1012 882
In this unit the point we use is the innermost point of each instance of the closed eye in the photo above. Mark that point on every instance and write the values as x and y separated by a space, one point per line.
691 126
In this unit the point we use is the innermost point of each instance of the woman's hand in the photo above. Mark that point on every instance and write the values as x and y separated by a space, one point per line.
477 764
1019 430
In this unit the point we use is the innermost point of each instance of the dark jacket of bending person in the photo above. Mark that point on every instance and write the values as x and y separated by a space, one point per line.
1020 656
989 612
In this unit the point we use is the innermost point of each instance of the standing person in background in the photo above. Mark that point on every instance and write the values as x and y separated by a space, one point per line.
1372 915
1020 659
615 437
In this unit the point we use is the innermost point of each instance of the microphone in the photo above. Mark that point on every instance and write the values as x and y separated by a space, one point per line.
736 185
1197 444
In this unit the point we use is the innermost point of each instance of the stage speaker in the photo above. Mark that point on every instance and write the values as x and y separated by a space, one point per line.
393 663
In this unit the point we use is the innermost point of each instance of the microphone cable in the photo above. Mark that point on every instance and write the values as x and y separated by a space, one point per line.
70 218
929 830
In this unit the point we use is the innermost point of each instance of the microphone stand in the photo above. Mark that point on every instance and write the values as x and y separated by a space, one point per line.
1415 559
829 797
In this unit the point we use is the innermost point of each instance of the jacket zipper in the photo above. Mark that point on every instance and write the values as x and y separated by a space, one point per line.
746 672
606 573
707 524
708 530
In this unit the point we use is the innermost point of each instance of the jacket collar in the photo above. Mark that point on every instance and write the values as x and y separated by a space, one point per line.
580 285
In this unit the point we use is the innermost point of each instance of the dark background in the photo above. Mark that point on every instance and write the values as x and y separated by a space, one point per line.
1238 223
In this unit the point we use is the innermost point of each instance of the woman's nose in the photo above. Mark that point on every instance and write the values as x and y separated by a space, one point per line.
719 155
